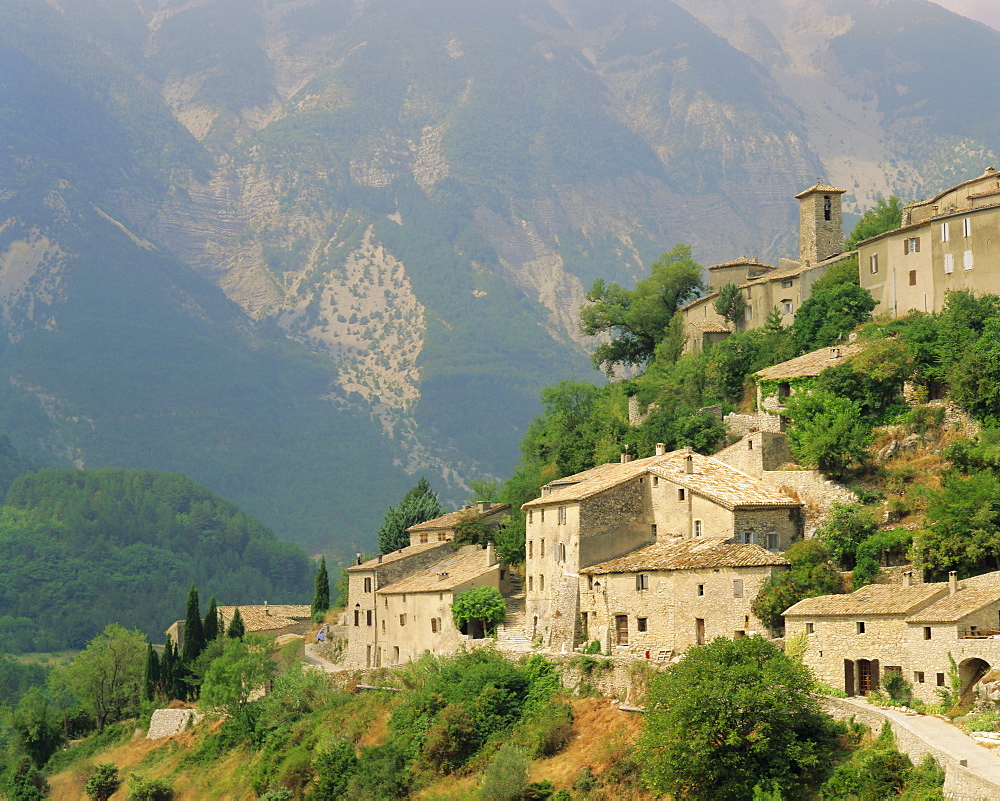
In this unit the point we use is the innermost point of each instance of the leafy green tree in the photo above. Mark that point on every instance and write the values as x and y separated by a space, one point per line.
884 216
244 668
826 318
484 490
975 378
194 633
418 505
107 676
321 594
846 527
844 271
878 771
731 716
483 604
810 574
731 305
964 529
333 768
507 774
37 724
236 628
639 319
210 629
103 782
829 432
25 782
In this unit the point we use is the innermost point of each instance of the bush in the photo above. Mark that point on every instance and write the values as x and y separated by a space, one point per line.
898 688
507 775
102 782
333 769
383 772
144 789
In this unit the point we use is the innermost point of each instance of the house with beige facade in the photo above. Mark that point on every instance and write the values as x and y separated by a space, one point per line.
662 599
442 529
915 630
943 244
271 620
766 287
616 509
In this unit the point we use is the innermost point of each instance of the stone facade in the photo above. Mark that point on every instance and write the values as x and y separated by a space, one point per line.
821 225
943 244
758 452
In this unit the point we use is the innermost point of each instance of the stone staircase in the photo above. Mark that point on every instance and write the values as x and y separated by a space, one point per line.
512 634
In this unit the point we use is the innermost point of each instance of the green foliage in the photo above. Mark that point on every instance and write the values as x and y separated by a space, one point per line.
845 528
194 634
884 216
333 768
898 688
38 724
102 782
236 628
844 271
16 678
730 304
418 505
210 629
865 572
321 592
810 574
24 782
107 676
964 529
639 319
729 716
143 788
507 775
109 737
244 667
382 773
829 432
483 604
826 318
81 547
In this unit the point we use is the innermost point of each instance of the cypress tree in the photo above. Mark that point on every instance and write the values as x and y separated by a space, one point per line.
211 629
321 597
236 629
194 634
151 676
167 668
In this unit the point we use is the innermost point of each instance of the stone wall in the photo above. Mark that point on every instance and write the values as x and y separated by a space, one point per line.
758 451
742 424
813 489
960 782
775 529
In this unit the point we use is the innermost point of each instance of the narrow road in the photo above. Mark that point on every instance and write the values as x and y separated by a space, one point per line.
314 659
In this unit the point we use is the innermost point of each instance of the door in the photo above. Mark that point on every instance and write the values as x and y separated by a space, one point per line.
849 677
621 627
699 631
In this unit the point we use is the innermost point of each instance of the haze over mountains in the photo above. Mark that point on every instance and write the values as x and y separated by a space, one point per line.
305 250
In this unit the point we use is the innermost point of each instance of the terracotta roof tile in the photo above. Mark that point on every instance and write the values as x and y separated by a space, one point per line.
712 328
444 575
824 188
742 261
689 554
875 599
266 618
452 519
953 607
402 553
809 364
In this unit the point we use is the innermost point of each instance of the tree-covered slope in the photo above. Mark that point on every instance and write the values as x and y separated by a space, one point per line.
80 548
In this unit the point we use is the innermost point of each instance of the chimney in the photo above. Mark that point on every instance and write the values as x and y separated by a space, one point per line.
952 582
834 353
661 449
484 506
688 460
267 612
491 554
380 558
907 578
358 557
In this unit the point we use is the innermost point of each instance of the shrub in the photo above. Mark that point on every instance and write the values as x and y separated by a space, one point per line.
333 769
547 728
593 647
898 688
507 775
383 772
141 788
102 782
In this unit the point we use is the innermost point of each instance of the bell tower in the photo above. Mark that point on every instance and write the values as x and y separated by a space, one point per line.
821 225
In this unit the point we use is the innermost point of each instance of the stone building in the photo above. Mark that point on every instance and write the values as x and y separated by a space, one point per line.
666 597
442 529
943 244
615 509
915 630
272 620
766 287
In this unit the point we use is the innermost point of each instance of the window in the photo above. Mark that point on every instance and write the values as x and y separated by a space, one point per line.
560 552
697 528
531 583
873 263
944 232
701 589
749 444
911 245
967 260
772 540
861 627
737 588
748 314
810 628
827 207
653 529
442 537
529 514
541 583
681 494
642 581
748 538
918 677
542 513
940 679
402 620
590 581
656 481
368 585
561 519
640 624
385 602
913 277
395 655
434 625
531 549
786 284
383 626
949 263
368 616
423 539
967 226
927 632
786 307
357 617
541 549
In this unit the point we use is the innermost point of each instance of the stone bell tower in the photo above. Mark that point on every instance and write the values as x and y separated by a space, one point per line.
821 226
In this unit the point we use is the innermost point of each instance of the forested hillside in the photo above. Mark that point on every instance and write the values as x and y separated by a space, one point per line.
82 548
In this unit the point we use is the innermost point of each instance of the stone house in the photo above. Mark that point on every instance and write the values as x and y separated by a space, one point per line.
272 620
612 510
442 529
666 597
943 244
764 286
915 630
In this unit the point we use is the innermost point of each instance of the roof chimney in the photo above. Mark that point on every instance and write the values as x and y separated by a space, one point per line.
907 578
661 449
358 557
689 464
491 554
267 612
952 582
380 558
834 353
484 506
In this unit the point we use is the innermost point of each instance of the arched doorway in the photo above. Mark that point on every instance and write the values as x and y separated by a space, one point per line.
970 671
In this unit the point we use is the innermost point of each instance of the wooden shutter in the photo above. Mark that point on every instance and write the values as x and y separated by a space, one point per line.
875 684
916 244
849 677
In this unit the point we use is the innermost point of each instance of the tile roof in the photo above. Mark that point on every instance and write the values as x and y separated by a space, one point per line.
824 188
266 618
689 554
452 519
875 599
726 485
989 172
809 364
395 556
742 261
444 575
954 607
712 328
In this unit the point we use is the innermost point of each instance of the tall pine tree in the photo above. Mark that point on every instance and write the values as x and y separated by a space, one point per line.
168 665
194 633
211 629
417 506
236 629
151 677
321 597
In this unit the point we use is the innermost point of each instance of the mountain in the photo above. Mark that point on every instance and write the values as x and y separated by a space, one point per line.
306 250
